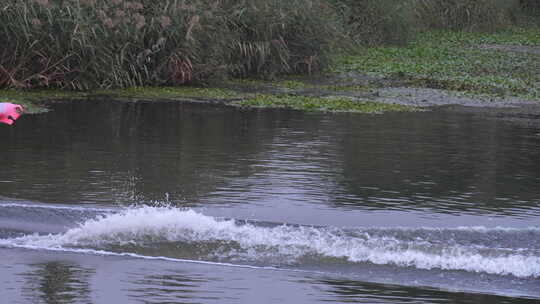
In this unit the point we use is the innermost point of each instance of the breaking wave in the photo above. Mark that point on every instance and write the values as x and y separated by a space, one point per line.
189 235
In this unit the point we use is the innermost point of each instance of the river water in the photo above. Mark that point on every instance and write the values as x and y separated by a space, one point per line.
122 202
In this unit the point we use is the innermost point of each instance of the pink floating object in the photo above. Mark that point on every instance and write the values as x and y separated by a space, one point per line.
9 112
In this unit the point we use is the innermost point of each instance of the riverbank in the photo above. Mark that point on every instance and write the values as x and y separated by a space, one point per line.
494 70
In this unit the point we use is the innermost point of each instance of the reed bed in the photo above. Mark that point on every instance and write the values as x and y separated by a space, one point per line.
82 44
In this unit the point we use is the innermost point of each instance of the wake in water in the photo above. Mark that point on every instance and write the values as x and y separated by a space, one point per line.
186 234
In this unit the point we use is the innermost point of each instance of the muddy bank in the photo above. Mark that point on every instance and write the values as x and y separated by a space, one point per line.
350 87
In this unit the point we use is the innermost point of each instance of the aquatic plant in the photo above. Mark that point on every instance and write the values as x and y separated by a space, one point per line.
458 61
181 92
333 104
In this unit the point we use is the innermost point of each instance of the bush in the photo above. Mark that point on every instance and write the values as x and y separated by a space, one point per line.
469 15
83 44
274 36
531 11
530 5
375 22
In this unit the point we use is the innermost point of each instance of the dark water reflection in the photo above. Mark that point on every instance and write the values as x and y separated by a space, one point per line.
172 287
445 163
439 162
119 153
57 282
345 291
95 279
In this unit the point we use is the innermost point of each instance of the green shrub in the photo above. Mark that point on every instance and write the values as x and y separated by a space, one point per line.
530 12
469 15
375 22
273 36
530 5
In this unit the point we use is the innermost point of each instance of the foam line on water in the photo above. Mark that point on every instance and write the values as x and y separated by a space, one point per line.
252 243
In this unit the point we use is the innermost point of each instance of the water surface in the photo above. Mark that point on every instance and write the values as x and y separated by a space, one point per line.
176 203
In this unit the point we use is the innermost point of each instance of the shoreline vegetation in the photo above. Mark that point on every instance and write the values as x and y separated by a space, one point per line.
367 56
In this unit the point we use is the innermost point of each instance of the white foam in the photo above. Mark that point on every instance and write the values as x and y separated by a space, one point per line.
152 224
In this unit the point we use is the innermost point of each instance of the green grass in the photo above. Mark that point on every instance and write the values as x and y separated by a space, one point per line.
514 36
33 100
170 92
455 61
306 103
297 85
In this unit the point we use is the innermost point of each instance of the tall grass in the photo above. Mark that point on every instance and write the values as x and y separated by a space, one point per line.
83 44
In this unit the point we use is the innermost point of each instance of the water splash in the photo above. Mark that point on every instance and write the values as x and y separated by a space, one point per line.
230 240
